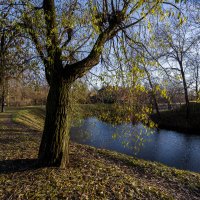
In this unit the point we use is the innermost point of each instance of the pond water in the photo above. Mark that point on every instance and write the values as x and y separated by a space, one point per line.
168 147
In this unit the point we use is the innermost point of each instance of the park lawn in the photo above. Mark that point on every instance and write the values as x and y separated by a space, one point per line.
92 173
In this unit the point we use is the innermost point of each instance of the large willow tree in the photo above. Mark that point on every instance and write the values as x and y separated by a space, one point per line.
69 37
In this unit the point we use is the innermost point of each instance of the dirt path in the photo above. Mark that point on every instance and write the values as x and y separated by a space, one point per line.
16 140
6 123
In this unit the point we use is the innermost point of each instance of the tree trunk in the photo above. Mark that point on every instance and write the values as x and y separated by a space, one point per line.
152 92
54 147
2 104
2 72
3 99
187 102
156 105
196 86
197 91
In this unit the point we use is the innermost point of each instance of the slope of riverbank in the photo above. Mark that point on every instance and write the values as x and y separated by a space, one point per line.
92 173
176 119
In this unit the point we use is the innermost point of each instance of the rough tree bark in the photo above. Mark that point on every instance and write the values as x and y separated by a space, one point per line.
2 77
3 98
54 148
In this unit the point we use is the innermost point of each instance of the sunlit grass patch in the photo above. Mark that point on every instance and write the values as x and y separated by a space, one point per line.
32 117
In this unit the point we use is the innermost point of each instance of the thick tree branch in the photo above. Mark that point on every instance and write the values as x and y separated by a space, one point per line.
79 69
50 20
53 50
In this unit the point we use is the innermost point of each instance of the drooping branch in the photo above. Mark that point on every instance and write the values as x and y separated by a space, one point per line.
38 45
33 34
141 18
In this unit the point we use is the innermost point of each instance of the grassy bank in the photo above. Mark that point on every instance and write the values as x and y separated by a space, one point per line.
171 120
176 119
92 173
32 117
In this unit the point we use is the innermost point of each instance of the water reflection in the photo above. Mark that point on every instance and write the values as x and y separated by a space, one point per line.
168 147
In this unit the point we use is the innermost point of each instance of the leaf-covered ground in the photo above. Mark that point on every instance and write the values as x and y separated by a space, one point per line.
92 173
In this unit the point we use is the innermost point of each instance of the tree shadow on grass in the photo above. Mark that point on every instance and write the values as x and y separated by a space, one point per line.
18 165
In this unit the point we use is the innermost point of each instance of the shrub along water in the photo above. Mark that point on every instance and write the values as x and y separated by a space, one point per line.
176 120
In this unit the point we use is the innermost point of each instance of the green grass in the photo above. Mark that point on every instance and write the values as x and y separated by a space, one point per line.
32 117
92 174
176 119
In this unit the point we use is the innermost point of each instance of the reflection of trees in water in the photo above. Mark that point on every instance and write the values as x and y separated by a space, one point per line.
81 130
133 137
105 135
